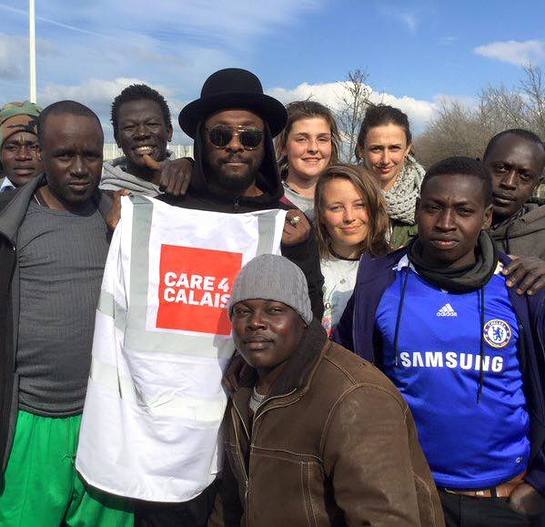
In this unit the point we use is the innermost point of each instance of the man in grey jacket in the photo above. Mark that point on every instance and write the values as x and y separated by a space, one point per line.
516 159
142 129
53 246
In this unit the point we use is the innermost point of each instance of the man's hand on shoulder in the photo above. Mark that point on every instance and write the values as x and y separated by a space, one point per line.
175 174
296 228
527 500
526 274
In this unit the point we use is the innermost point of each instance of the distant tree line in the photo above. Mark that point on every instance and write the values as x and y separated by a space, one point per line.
461 129
458 129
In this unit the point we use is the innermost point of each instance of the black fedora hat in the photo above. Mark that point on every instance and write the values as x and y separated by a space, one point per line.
233 88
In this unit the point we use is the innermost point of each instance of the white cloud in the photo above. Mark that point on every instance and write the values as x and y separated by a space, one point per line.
514 52
167 41
420 111
14 55
93 91
11 55
203 21
328 93
98 95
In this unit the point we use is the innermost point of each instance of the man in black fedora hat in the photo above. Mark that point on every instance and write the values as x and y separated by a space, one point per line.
233 124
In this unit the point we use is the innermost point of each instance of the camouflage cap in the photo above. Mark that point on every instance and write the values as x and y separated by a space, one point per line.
18 117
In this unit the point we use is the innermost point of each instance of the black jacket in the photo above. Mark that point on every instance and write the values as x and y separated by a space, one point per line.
13 209
305 254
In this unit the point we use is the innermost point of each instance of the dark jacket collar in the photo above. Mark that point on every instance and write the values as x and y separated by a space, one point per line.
13 213
295 381
298 372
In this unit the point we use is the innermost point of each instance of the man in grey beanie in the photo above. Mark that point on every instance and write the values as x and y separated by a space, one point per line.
274 278
311 429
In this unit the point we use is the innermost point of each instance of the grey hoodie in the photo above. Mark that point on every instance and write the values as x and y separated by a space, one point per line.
115 177
523 234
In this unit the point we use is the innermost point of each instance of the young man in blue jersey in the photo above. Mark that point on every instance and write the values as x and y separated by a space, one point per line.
465 350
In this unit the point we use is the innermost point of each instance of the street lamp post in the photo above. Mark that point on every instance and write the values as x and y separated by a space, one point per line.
32 48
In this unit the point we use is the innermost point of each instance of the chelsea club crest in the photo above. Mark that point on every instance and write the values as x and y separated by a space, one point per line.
497 333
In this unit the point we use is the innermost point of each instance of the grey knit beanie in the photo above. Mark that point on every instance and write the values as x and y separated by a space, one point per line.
273 277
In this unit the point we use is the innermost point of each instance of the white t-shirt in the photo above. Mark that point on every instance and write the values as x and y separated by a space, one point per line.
339 281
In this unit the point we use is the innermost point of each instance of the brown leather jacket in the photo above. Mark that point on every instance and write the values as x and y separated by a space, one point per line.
334 445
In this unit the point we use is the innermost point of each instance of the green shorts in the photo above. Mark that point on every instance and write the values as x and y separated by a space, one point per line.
41 485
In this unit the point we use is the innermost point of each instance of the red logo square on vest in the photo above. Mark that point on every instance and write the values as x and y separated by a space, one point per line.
195 287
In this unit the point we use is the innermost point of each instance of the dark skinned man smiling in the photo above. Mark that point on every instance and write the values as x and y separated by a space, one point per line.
142 129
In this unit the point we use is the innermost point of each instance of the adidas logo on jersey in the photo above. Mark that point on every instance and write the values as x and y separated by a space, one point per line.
446 311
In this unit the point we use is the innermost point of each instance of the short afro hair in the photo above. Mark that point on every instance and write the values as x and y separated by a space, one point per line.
137 92
64 107
464 166
519 132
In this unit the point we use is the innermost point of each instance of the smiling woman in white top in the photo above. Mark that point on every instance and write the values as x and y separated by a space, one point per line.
350 219
306 147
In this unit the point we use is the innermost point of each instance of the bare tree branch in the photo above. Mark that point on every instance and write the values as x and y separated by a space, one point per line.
463 130
352 105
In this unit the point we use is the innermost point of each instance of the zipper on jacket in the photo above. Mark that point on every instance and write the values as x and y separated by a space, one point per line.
236 204
241 459
256 417
250 437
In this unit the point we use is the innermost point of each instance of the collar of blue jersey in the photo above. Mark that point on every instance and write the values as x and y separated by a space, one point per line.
460 280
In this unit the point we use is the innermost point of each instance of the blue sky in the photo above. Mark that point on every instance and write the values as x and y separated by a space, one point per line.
415 52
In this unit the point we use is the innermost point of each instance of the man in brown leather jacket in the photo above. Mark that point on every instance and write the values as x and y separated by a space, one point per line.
314 435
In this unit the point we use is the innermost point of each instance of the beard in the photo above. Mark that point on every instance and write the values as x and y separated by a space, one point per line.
228 181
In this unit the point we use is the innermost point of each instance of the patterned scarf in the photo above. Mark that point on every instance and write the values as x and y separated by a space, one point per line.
401 198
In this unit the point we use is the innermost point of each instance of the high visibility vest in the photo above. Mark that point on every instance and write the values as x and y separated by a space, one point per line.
154 405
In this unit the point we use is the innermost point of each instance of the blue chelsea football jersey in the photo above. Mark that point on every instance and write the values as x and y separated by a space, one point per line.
470 443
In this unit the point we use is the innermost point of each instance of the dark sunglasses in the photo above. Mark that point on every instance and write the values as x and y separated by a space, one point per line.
221 135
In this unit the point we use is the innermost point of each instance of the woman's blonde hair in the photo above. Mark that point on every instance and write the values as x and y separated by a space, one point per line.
298 110
375 243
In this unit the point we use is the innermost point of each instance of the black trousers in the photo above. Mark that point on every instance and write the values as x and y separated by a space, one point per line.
192 513
466 511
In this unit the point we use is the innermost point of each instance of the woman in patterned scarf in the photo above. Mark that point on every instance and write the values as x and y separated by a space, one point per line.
384 146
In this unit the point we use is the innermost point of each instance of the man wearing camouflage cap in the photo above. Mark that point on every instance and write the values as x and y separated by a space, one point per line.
19 147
